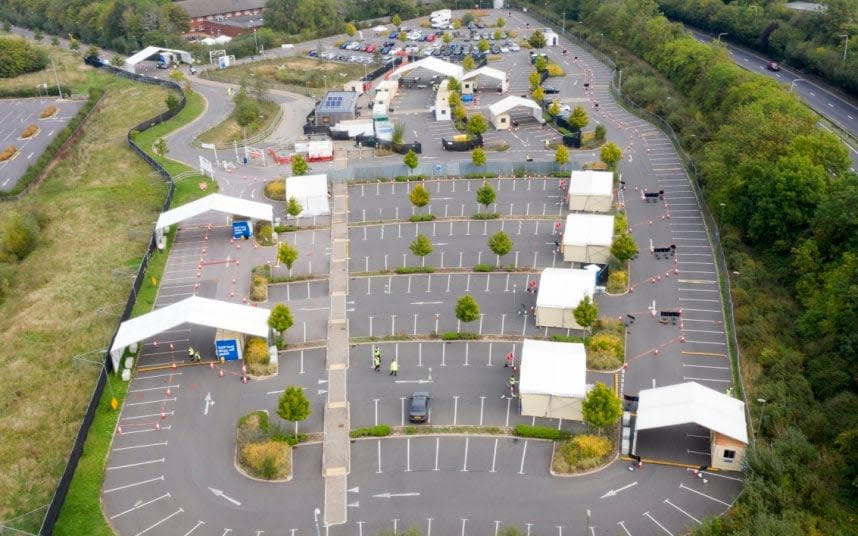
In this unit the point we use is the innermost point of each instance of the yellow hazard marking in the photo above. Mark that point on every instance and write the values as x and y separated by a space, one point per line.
714 354
669 463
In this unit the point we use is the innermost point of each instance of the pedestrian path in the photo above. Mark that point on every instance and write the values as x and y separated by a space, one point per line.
336 446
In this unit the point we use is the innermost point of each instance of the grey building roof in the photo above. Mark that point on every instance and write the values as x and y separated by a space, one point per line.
203 8
337 101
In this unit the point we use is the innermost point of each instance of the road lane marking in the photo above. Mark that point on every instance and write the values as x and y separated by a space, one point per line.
144 531
126 486
148 462
141 505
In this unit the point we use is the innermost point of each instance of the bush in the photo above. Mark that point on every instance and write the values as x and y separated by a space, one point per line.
381 430
276 190
480 175
421 217
598 166
415 270
258 288
19 235
540 432
256 352
483 267
582 453
286 228
604 351
264 233
566 338
8 153
555 70
29 131
409 178
460 336
617 281
266 459
486 216
18 57
50 111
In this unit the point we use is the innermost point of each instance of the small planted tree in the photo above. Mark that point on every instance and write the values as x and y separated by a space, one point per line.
537 40
486 195
299 165
483 45
624 247
293 207
500 23
600 132
578 118
601 407
402 36
421 247
561 155
287 254
554 108
467 309
161 147
350 29
419 196
171 100
447 38
280 319
500 243
534 79
410 160
293 405
398 135
585 313
477 124
478 157
396 20
468 62
611 154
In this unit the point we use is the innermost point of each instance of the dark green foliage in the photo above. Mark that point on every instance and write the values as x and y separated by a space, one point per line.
18 57
460 336
541 432
415 270
19 235
380 430
483 267
467 309
421 217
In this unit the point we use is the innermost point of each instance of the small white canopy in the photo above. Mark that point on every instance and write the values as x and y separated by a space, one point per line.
311 191
588 230
591 182
491 72
553 368
444 68
379 28
508 103
132 61
564 288
194 310
691 402
217 202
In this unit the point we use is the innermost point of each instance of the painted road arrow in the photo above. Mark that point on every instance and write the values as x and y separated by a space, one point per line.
209 402
219 493
389 495
613 492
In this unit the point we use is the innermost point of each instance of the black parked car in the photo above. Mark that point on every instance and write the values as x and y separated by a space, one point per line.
418 407
550 90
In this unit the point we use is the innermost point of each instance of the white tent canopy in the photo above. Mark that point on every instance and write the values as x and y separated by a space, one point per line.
444 68
218 203
193 310
588 230
691 402
132 61
311 191
564 288
508 103
491 72
553 368
591 182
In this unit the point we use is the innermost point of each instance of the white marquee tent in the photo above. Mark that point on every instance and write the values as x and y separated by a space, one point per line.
444 68
311 191
214 202
499 111
560 291
131 63
553 380
587 238
491 72
194 310
591 190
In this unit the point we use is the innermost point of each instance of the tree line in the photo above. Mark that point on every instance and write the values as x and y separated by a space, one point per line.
787 206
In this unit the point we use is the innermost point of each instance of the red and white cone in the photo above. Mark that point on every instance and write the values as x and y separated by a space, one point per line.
163 415
157 426
169 392
220 373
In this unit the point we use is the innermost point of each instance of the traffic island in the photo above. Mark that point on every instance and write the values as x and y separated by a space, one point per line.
263 451
9 153
31 131
581 454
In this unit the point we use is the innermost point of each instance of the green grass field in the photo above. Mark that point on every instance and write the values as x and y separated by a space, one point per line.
229 130
300 74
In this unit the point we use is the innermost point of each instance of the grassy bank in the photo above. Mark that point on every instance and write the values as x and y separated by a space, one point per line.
230 130
296 74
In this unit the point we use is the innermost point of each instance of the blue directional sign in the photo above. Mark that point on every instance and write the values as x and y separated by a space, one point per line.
438 168
241 229
227 349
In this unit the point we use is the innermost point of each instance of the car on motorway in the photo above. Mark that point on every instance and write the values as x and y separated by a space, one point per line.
773 66
418 407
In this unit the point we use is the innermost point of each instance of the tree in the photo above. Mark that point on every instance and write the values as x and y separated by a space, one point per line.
171 100
38 35
483 45
624 247
447 38
55 41
116 60
287 254
410 160
601 407
402 36
468 63
350 29
467 18
540 64
500 243
421 247
537 40
486 195
293 207
92 50
554 108
600 132
19 234
454 99
578 118
260 87
175 75
419 196
293 405
500 23
299 165
478 157
396 20
161 147
610 154
453 84
74 44
498 35
477 124
398 135
561 155
538 94
467 309
585 313
280 318
534 79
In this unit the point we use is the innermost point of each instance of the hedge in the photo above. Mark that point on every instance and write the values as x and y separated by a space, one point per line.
541 432
380 430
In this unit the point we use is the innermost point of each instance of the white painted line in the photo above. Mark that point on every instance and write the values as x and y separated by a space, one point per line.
705 366
115 467
144 531
662 527
494 456
126 486
523 454
622 524
465 464
157 376
141 505
667 501
147 416
163 428
703 331
706 380
161 444
195 527
164 388
719 475
683 486
150 402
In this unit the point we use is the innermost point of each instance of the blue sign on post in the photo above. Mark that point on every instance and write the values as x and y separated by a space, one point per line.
227 349
438 168
241 229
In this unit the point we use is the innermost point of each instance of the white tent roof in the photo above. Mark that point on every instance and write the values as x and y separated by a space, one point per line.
433 64
379 28
591 182
691 402
194 310
148 52
508 103
311 191
588 230
219 203
553 368
565 287
486 71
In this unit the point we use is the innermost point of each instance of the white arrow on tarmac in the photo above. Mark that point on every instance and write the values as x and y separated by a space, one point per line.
388 495
355 489
321 391
322 381
209 402
613 492
219 493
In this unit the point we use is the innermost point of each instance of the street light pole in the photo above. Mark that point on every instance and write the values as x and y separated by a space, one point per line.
720 34
845 47
316 513
564 22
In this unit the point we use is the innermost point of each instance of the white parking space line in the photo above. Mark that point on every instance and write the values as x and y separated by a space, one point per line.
662 527
147 445
683 486
127 466
706 367
687 378
135 484
141 505
144 531
523 455
622 525
195 527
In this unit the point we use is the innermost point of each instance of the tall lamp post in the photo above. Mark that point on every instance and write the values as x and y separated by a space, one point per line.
845 38
316 513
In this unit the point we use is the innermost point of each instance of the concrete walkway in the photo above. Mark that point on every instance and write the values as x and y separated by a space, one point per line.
336 446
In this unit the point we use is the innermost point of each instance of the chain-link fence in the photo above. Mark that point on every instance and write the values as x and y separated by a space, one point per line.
509 168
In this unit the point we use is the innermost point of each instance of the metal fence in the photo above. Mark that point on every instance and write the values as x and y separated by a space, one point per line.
510 168
56 504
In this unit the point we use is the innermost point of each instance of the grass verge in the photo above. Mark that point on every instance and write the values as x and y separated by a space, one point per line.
230 130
